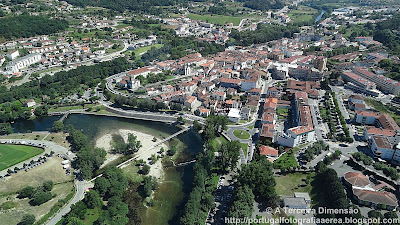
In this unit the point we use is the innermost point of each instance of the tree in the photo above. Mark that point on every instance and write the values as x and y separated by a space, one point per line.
119 147
145 169
258 175
78 210
27 219
48 185
58 126
40 197
102 185
133 144
92 199
242 205
197 126
172 150
230 152
26 192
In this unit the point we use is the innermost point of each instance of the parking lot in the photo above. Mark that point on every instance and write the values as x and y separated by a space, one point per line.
223 197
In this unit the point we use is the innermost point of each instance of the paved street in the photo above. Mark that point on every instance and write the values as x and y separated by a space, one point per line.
81 187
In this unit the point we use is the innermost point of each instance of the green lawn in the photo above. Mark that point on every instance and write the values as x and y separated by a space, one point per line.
132 173
13 154
145 49
285 161
216 19
282 113
303 13
244 147
242 134
215 143
292 182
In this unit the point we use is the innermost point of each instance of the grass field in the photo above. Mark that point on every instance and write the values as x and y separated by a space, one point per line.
241 134
292 182
139 51
303 13
215 143
285 161
132 173
216 19
13 154
51 170
244 147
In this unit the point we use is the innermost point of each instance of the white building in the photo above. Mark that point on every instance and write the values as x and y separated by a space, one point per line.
13 54
15 65
234 115
382 82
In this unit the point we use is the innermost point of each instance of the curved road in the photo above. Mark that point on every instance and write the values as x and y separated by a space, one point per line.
80 186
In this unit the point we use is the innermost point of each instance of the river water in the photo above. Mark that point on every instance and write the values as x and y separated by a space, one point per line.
177 183
320 16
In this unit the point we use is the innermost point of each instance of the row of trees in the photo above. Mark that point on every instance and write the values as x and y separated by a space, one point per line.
200 199
89 158
386 169
29 26
314 150
64 83
263 33
140 103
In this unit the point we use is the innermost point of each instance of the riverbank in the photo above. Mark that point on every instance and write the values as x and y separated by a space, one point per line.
144 153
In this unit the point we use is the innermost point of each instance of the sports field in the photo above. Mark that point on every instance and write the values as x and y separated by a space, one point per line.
13 154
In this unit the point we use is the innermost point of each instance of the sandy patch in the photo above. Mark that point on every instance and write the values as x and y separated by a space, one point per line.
144 152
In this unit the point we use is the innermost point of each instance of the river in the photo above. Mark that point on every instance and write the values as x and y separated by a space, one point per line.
177 183
320 16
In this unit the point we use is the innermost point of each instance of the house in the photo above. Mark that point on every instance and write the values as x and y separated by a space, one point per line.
267 132
231 104
268 151
203 111
355 179
255 91
294 203
364 193
245 113
234 115
190 101
230 83
273 92
219 95
29 103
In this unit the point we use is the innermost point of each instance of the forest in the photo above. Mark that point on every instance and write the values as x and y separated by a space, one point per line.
263 4
147 6
28 26
264 33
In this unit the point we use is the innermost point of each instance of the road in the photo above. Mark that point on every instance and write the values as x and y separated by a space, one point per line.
314 108
81 187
